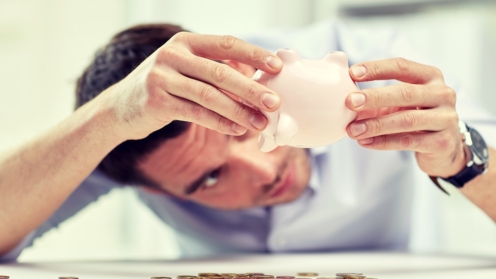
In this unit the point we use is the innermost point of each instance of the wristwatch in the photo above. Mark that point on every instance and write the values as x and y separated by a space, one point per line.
478 163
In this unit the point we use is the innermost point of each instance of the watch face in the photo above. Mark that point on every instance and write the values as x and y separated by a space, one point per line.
479 146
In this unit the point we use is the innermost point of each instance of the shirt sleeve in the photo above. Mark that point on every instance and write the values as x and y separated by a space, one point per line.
94 186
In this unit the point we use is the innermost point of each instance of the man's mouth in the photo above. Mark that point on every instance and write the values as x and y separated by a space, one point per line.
286 182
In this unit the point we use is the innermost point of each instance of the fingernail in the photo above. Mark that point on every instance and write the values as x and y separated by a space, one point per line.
358 71
357 129
238 129
366 141
257 120
357 99
270 100
274 62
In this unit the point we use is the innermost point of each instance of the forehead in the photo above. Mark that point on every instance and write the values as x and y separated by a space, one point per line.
180 160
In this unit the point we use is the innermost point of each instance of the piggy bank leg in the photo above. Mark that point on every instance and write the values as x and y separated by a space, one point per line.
266 144
286 129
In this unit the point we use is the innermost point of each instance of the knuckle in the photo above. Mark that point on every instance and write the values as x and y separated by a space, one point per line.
252 92
178 111
223 124
222 73
443 141
208 94
449 95
375 126
197 112
151 81
168 54
437 72
453 119
227 42
407 141
382 141
238 112
155 85
257 56
374 97
373 70
180 37
402 64
407 93
410 120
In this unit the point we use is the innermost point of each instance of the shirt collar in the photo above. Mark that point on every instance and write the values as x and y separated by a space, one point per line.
314 154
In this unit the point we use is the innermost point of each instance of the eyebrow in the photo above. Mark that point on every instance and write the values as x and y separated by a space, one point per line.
193 187
197 183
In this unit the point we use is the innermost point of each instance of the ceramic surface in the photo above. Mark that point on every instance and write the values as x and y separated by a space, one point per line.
313 93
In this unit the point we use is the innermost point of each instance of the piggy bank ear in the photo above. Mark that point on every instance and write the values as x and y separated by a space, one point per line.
287 55
337 57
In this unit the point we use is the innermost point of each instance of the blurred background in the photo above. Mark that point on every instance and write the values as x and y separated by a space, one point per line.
45 45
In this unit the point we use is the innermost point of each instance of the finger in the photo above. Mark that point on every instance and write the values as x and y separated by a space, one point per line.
427 143
396 68
213 99
229 47
403 121
377 112
185 110
224 77
236 98
401 95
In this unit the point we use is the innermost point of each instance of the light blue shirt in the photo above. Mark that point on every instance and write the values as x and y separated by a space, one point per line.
357 199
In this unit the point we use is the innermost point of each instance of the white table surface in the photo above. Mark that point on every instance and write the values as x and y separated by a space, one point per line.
377 265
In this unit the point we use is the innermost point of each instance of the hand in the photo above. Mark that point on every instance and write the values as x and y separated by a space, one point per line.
417 115
181 81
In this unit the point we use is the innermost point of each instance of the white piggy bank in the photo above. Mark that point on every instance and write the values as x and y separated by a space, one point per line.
313 93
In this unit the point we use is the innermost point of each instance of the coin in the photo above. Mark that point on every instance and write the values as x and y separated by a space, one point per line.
161 277
187 277
352 275
65 277
207 274
307 274
285 277
4 277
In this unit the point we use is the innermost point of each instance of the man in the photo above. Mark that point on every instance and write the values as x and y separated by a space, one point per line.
169 125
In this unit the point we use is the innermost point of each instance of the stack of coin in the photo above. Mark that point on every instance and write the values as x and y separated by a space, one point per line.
256 275
351 276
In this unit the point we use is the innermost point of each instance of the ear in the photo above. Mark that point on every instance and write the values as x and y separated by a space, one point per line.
244 69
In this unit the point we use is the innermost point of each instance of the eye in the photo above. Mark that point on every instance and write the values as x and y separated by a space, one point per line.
211 179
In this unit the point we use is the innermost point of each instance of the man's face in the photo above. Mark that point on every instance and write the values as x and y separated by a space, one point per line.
227 172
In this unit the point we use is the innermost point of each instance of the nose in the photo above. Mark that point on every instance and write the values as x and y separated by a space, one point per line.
258 168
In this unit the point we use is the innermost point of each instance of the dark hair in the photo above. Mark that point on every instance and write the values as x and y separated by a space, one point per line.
112 63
